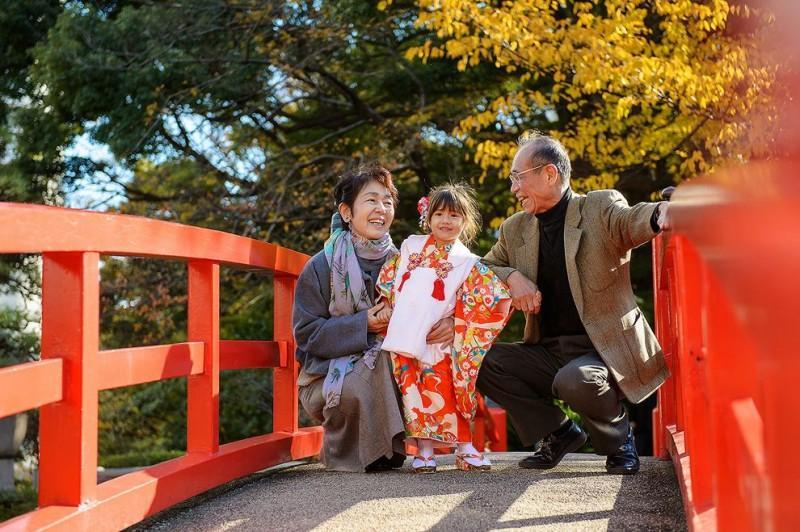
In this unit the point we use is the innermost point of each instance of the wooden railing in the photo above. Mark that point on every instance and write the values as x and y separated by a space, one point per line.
727 290
65 383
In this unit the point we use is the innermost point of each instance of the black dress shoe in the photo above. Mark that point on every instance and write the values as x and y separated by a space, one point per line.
554 448
626 460
397 460
386 464
381 464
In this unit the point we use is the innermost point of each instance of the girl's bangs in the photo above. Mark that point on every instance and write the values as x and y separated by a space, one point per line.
445 199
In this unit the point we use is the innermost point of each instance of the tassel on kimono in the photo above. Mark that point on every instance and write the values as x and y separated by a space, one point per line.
403 281
438 289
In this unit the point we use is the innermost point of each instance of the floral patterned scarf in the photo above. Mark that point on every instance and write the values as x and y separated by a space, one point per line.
349 295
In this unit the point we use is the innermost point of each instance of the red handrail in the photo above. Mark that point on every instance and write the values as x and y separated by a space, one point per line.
66 382
726 294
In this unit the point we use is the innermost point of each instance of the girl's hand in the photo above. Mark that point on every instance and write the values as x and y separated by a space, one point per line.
376 323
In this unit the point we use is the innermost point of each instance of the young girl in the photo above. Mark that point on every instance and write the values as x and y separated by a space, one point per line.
435 276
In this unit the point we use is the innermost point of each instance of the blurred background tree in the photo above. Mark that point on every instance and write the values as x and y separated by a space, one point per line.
240 116
642 93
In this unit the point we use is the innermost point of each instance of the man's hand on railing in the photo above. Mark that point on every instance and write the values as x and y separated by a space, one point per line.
663 216
663 219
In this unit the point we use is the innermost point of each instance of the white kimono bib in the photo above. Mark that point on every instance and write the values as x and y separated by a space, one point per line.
415 309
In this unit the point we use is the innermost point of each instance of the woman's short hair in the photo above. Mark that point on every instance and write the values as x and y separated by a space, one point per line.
351 184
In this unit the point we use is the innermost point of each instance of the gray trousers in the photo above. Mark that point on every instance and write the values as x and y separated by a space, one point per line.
524 379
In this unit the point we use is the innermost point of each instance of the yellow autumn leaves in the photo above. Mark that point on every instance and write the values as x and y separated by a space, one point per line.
655 85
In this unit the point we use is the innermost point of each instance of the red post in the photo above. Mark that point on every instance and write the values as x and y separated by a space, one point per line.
693 360
499 419
284 393
70 330
203 389
664 413
740 487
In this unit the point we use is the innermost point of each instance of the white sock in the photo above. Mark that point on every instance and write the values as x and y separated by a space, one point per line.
425 447
468 448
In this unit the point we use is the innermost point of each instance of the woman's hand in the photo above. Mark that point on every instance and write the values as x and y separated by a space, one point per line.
442 332
525 295
378 317
384 315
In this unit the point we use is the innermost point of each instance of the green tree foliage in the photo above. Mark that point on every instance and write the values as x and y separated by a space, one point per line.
239 116
34 137
247 111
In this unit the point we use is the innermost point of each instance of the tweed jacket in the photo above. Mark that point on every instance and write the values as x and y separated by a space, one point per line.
599 231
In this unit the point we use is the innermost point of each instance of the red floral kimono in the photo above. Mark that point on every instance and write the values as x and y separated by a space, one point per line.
439 397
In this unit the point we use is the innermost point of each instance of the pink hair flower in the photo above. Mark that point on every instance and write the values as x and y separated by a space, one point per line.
422 205
422 209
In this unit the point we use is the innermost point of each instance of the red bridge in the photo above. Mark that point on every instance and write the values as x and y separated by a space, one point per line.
726 289
72 370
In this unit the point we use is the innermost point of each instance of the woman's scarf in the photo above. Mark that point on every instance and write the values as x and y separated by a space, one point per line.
349 295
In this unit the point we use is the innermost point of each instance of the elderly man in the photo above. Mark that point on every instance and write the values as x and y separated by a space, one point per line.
566 259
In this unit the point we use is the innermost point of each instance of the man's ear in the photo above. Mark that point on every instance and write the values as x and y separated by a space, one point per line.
552 174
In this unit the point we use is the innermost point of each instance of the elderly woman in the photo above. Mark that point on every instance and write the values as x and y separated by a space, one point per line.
346 380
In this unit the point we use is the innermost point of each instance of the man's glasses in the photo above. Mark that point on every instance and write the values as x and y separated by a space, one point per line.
515 177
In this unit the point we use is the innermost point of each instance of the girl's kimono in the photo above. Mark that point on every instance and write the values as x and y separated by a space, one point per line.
424 283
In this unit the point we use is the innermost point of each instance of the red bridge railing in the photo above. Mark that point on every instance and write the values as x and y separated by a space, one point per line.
726 294
65 383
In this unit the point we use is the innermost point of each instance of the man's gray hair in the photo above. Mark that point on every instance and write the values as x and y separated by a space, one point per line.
547 150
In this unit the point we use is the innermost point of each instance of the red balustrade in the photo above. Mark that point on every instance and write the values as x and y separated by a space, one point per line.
66 382
726 296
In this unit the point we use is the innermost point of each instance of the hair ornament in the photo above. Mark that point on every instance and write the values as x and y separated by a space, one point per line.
422 209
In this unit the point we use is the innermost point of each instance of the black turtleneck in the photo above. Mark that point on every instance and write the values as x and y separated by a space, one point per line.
559 313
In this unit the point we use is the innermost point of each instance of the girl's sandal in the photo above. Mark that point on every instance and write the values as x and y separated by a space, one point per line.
463 465
422 464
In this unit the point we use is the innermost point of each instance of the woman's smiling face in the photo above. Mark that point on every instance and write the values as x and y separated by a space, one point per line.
372 213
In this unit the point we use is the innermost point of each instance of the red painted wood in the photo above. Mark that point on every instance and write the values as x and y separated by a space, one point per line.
70 331
67 380
247 354
30 385
693 363
697 520
41 229
285 412
499 420
126 500
136 365
728 319
203 389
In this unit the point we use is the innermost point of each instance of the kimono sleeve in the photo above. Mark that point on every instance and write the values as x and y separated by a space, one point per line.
386 277
481 312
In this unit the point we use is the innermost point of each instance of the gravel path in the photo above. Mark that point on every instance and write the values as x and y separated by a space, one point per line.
577 495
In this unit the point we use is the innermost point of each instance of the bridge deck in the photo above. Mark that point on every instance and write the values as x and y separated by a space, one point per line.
578 495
